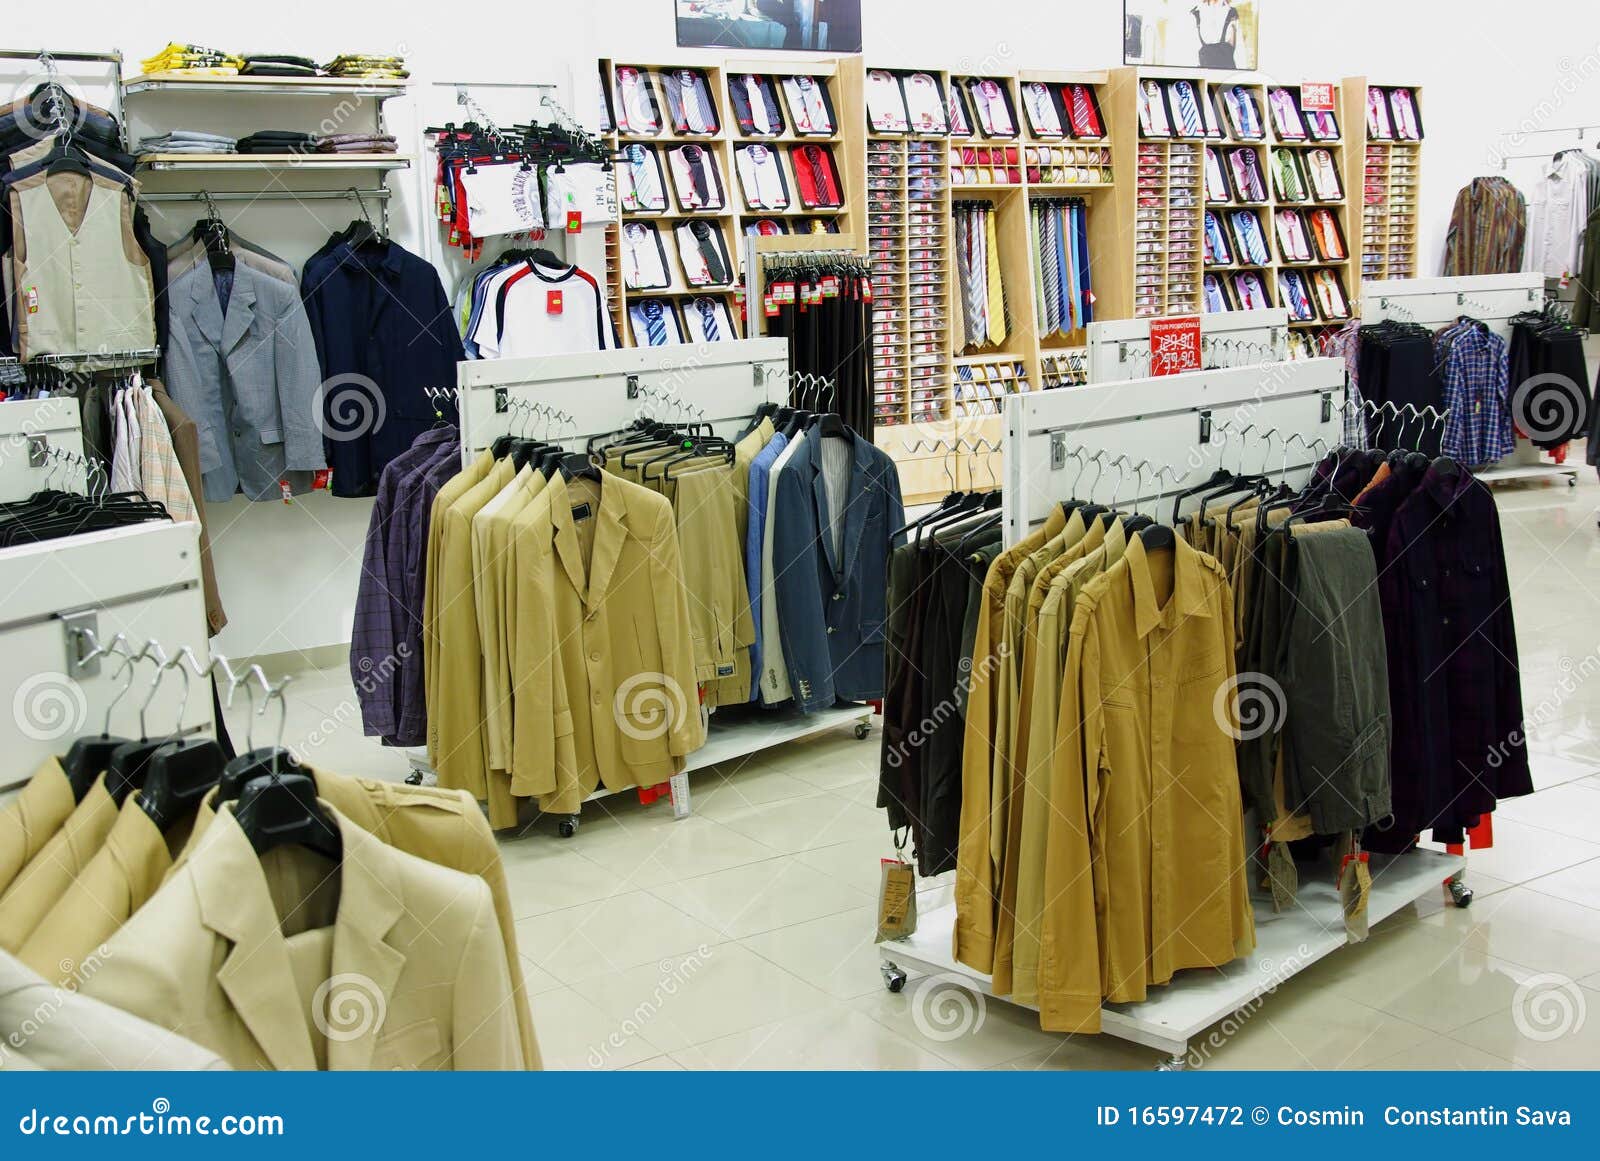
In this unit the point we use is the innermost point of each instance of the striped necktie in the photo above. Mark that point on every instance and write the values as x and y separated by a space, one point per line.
697 114
1052 268
708 319
655 324
1083 119
1293 190
1188 110
1249 125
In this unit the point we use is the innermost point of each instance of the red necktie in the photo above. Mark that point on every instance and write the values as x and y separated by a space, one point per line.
1083 118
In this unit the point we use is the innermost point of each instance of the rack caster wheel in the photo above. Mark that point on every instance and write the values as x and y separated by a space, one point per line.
567 827
1460 893
1177 1062
893 977
414 778
862 730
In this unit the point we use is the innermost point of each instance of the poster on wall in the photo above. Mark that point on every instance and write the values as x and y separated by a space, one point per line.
1207 34
792 25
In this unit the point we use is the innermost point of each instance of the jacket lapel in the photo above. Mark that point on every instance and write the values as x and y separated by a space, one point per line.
819 492
609 536
363 959
566 535
856 504
204 308
256 975
241 309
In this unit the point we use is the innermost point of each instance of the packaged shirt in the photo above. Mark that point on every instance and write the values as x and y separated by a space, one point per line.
644 257
886 103
924 102
696 178
689 102
637 110
761 178
640 184
501 198
654 323
704 254
809 107
709 320
1041 109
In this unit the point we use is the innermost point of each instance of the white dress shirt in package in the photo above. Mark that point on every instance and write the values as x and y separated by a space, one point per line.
992 109
925 103
761 178
637 111
1041 110
644 257
808 106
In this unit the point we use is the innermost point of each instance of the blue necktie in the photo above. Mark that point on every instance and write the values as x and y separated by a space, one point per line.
708 317
1188 111
1248 125
655 326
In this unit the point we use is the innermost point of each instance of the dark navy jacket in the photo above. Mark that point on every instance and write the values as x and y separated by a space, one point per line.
384 332
832 608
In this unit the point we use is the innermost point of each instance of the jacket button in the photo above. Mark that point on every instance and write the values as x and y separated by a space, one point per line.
832 630
838 596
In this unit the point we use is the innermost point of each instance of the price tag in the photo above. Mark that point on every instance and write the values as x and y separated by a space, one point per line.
320 481
1174 345
897 900
552 302
1317 96
770 306
574 222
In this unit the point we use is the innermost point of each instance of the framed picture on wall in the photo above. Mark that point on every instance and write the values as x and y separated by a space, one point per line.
1207 34
792 25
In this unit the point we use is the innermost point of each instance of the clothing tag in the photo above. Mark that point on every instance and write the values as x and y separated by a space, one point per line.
770 304
1355 889
581 512
574 222
830 287
866 291
33 300
897 900
552 302
286 491
322 479
725 671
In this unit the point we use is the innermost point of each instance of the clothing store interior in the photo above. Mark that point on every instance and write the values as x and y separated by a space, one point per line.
1058 543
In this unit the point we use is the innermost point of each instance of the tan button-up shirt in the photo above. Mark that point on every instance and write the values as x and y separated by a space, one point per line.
1146 867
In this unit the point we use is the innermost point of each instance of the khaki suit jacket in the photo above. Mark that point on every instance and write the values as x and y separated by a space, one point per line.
124 872
441 826
31 819
606 688
49 873
418 975
46 1027
451 491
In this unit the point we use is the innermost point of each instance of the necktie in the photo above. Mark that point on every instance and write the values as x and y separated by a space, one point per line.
1084 122
1052 270
756 94
1378 115
1039 103
1249 124
655 325
715 269
1215 302
997 300
821 176
971 283
708 319
645 190
1289 177
1188 110
767 227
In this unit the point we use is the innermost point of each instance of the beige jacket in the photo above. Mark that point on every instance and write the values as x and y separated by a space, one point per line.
50 1028
41 883
418 975
32 818
606 679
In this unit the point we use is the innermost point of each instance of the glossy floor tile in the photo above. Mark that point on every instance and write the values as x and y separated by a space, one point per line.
742 937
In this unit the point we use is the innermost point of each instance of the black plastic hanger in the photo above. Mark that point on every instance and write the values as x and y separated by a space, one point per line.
276 810
179 776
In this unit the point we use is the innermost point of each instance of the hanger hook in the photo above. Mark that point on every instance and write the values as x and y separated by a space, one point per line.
178 663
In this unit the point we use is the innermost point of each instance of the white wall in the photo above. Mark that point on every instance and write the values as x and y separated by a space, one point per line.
1489 74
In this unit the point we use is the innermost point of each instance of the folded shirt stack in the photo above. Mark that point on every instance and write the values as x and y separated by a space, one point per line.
187 141
194 58
278 141
356 143
263 65
369 67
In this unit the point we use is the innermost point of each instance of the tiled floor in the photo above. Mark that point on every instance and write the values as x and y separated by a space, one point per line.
742 937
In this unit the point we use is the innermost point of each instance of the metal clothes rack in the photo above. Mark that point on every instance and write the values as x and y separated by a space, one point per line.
1177 427
45 58
1120 349
576 397
1492 299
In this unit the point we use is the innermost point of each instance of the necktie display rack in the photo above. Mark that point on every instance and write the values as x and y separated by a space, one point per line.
1151 438
600 393
1384 172
142 581
1492 299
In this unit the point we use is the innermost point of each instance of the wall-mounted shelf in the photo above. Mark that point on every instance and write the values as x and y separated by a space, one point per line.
178 82
242 162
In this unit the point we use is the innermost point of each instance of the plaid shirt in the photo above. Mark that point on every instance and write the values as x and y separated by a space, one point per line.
1475 371
1345 343
160 474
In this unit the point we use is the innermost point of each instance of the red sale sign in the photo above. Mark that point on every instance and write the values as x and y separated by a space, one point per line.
1317 97
1174 345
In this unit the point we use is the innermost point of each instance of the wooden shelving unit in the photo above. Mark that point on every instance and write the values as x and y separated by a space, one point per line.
1386 175
733 218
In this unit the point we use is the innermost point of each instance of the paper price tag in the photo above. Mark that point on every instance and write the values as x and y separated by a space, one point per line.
1174 345
574 222
897 900
552 302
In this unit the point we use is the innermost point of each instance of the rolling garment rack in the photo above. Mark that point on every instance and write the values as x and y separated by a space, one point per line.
585 395
1492 299
1162 434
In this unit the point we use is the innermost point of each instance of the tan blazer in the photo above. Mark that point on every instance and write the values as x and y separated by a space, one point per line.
606 679
124 872
46 1027
49 873
441 826
418 974
451 491
32 818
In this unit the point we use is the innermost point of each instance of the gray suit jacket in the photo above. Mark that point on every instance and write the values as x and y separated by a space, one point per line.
249 380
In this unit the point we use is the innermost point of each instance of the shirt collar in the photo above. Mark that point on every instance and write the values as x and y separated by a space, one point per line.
388 264
1189 587
1445 490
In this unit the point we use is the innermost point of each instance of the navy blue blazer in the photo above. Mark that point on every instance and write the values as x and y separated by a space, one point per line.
832 606
384 331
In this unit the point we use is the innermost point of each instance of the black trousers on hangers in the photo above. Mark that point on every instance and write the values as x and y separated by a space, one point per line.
1401 371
